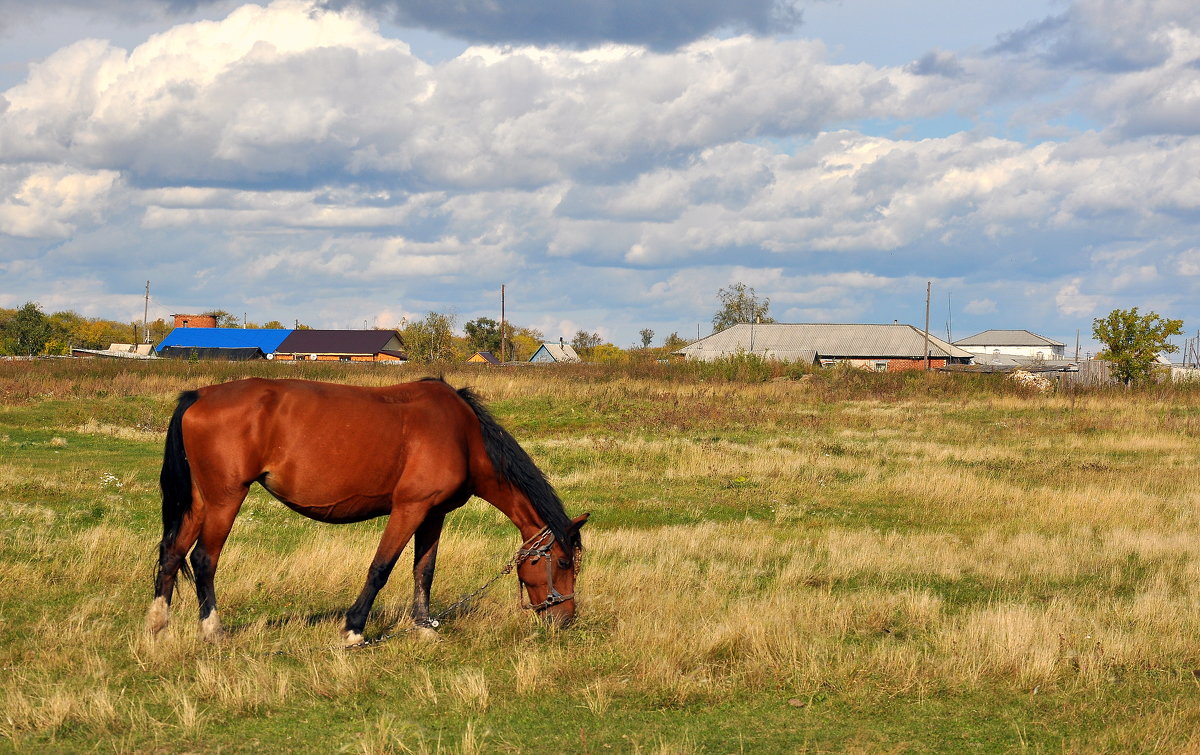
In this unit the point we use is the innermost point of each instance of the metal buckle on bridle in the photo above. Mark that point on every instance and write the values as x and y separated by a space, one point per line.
538 547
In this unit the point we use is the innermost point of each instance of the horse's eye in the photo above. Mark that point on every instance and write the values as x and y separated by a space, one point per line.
564 564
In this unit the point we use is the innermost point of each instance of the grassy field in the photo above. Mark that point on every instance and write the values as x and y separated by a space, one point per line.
841 561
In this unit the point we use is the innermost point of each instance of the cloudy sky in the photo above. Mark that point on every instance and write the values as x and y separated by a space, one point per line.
613 162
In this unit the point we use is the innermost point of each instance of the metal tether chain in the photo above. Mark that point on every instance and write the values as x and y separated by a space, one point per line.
436 620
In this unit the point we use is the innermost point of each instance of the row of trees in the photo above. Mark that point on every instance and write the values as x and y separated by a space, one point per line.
433 338
28 331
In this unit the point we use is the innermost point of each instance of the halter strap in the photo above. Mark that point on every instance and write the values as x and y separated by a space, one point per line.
538 547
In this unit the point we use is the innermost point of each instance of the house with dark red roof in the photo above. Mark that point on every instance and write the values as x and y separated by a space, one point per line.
342 346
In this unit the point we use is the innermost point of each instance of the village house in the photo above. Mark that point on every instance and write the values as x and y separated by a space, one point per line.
882 348
550 353
483 357
221 343
1012 343
283 344
342 346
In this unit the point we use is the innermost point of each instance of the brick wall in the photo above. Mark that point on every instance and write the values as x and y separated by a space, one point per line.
195 321
902 365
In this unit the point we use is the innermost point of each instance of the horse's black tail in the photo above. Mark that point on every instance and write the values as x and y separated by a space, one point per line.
513 464
176 481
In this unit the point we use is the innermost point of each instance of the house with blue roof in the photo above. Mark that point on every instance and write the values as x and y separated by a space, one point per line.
222 343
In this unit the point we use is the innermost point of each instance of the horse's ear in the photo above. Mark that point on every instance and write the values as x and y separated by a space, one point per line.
579 521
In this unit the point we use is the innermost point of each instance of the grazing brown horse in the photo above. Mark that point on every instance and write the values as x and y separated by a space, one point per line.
336 453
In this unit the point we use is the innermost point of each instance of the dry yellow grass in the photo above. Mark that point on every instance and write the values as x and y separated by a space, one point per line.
761 543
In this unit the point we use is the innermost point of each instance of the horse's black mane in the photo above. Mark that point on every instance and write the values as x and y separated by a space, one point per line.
514 465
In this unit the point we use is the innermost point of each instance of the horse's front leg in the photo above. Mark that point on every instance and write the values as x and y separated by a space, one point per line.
400 527
424 559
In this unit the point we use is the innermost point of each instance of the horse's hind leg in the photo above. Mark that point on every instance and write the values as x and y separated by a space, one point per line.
170 559
218 521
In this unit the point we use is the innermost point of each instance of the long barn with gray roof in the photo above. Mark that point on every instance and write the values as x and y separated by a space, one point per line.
884 348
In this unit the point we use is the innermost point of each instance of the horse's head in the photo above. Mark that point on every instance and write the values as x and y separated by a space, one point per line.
547 570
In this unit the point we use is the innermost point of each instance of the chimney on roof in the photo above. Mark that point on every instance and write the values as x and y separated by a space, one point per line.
560 341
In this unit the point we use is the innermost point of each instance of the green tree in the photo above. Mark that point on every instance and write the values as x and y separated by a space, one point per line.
483 334
523 343
225 319
1133 342
647 336
585 343
431 338
740 304
607 353
30 329
673 343
65 332
159 330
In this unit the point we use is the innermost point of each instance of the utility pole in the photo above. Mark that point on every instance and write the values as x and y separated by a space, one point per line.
145 316
928 288
1077 345
949 317
503 328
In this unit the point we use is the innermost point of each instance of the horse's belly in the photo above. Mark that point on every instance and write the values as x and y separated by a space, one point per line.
342 512
325 507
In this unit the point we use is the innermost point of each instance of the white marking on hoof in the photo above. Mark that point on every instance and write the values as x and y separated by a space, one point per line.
158 616
210 628
350 639
427 634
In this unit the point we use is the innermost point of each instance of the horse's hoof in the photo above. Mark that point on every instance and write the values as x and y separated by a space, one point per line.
351 638
158 616
427 634
210 628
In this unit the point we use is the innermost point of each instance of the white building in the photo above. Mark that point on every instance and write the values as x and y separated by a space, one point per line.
1012 343
883 348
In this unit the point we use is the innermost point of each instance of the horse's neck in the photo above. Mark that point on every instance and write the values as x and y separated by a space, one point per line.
521 513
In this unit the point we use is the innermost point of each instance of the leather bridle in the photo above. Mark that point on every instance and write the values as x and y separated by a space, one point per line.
532 550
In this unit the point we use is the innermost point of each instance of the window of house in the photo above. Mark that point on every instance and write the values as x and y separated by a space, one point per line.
880 366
